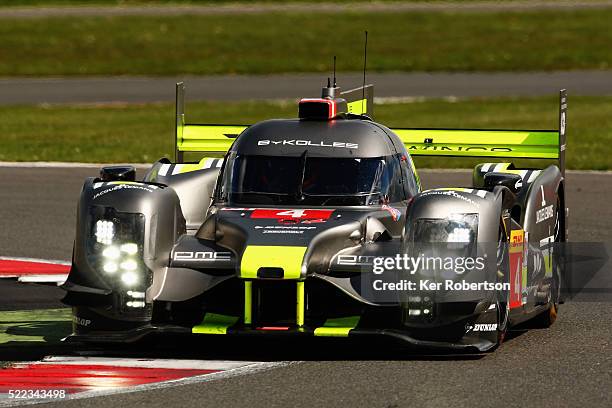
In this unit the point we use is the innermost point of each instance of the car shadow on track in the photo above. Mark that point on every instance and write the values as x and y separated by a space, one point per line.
275 349
244 349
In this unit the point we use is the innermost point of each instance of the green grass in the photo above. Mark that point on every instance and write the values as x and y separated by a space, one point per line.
23 327
144 133
298 42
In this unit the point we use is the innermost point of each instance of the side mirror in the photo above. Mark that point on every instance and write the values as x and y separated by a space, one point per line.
118 173
514 182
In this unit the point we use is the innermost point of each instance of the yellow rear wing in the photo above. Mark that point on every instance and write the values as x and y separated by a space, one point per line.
502 144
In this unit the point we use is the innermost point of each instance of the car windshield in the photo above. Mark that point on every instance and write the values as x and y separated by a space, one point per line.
251 179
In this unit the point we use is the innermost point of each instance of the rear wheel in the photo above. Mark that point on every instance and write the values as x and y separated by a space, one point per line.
548 317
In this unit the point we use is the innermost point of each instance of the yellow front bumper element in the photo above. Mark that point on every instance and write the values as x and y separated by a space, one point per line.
289 258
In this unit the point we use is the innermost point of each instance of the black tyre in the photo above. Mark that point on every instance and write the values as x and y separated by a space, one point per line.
503 276
548 317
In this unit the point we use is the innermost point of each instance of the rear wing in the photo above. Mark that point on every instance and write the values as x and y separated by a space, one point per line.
525 144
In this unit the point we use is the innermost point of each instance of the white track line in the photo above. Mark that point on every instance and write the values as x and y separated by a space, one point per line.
234 372
245 369
58 279
37 278
68 165
146 362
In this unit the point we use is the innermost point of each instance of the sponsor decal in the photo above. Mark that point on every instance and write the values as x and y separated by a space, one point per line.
284 229
206 256
395 213
117 187
81 321
544 213
309 143
354 260
516 267
562 124
480 327
451 193
314 221
460 148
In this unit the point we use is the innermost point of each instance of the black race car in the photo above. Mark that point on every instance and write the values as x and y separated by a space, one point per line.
318 226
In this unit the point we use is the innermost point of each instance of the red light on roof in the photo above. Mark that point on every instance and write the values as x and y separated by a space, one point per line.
317 108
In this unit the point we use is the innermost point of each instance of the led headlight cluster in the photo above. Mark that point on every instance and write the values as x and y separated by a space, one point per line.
445 243
121 259
116 251
419 307
105 231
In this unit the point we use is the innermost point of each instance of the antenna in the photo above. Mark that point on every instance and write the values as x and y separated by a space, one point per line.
365 60
334 71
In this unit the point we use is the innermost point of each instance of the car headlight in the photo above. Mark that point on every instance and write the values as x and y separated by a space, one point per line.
459 229
450 241
115 249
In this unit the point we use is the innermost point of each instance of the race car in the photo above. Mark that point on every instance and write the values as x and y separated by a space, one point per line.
309 226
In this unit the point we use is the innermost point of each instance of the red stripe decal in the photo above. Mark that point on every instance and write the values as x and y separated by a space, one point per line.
295 214
17 268
274 328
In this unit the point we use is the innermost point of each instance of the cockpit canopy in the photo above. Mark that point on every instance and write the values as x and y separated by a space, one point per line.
318 181
316 163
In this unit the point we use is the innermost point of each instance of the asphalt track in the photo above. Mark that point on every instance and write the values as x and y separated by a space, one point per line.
568 365
293 86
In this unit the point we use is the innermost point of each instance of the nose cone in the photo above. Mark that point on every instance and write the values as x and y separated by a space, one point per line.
272 261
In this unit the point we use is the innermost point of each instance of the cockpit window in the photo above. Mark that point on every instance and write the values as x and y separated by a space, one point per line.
304 180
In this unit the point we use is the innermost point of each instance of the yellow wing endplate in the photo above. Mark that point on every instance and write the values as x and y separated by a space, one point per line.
207 138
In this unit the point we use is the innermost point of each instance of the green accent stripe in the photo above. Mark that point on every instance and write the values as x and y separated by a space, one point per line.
300 305
248 302
215 324
358 107
338 327
481 143
207 138
189 167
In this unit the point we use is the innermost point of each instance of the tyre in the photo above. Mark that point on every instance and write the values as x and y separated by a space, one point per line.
548 316
503 276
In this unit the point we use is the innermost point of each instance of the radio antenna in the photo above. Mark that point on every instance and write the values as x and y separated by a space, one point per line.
365 60
334 71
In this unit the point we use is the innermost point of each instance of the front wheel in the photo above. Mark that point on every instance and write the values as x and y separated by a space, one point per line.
503 296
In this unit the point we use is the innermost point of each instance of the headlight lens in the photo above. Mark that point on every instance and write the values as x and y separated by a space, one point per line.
454 237
116 248
459 229
104 232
